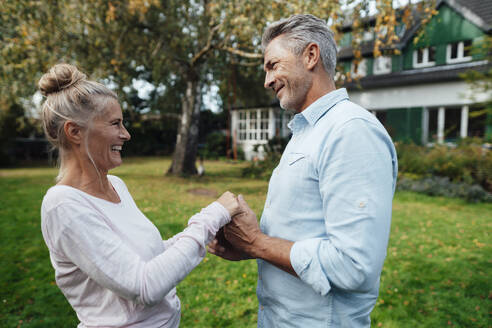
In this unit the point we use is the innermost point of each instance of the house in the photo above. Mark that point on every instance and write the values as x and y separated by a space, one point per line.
255 126
417 92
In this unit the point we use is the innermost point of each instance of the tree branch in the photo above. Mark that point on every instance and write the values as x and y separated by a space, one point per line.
241 53
247 64
207 47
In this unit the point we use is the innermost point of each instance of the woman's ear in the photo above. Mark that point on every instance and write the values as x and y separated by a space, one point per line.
73 132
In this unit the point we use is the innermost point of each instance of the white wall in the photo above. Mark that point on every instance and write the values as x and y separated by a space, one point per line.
426 95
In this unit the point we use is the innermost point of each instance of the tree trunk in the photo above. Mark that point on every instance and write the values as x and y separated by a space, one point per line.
187 139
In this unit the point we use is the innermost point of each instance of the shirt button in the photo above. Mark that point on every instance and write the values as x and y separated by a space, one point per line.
362 204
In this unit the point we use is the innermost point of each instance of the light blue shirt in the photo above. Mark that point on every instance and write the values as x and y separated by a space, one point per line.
331 194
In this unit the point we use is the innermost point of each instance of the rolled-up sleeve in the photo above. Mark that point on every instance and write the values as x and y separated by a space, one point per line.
357 175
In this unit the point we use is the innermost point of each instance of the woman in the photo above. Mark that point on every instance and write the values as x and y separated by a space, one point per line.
110 261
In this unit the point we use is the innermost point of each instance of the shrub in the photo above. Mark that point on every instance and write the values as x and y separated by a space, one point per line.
411 158
462 170
467 162
442 186
263 169
214 146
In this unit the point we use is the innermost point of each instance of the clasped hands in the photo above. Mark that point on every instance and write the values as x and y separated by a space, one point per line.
237 240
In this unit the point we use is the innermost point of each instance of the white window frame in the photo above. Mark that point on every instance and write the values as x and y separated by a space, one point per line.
282 118
425 58
460 52
386 68
252 126
242 125
361 69
368 35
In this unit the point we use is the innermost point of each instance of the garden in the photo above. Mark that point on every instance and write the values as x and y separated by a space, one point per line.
435 274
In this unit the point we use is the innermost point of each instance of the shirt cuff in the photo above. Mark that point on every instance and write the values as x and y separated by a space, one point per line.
304 259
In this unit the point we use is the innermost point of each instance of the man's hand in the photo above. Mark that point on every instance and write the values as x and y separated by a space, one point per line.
222 248
246 241
243 230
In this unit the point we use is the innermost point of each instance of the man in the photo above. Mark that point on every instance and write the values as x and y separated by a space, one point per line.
324 231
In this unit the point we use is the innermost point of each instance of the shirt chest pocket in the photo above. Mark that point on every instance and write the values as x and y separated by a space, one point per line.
293 158
294 180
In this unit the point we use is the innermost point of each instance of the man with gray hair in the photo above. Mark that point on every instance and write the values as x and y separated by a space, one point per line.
322 239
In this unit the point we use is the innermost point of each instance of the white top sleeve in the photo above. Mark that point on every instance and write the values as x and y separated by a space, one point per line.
77 232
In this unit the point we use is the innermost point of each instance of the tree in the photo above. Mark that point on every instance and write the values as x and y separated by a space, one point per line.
176 45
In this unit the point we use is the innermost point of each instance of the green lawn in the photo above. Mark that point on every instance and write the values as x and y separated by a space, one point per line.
435 274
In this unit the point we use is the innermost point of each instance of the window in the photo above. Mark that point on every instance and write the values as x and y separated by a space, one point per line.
458 52
253 124
382 65
242 125
424 57
264 121
359 70
282 118
368 35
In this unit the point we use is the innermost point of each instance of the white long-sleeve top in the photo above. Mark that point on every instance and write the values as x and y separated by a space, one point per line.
110 261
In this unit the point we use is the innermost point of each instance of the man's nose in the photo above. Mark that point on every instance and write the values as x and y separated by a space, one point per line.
269 80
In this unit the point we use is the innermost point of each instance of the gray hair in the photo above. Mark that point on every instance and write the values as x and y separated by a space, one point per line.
299 31
69 97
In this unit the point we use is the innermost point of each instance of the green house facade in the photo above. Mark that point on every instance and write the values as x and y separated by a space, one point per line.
419 94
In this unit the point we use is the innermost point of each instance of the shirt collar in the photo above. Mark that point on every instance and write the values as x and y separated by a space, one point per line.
323 104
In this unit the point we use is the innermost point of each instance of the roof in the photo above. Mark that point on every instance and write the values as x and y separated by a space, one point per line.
418 76
479 12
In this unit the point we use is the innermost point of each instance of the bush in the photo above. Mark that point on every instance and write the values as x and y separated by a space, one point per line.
467 162
15 129
151 137
263 169
442 186
214 146
463 170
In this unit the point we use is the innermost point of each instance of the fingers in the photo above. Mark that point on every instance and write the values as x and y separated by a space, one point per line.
215 248
242 203
241 200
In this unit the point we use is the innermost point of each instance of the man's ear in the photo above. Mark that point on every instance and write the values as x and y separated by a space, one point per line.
73 132
311 56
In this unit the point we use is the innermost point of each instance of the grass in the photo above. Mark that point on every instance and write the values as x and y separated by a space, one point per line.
435 274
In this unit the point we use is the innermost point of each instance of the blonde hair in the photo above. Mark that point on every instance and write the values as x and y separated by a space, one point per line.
70 96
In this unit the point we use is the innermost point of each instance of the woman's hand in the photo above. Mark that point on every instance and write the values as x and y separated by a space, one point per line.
230 202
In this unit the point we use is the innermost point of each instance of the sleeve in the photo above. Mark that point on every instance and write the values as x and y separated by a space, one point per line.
82 236
225 218
357 178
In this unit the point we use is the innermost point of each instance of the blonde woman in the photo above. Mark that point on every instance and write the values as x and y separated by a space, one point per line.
110 261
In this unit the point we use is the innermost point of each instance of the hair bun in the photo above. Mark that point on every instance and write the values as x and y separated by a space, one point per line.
59 77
